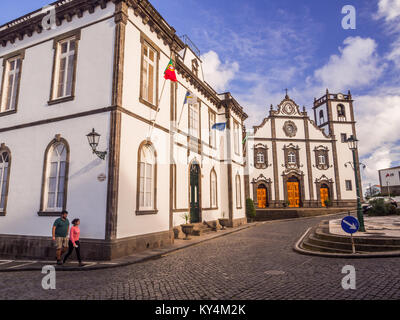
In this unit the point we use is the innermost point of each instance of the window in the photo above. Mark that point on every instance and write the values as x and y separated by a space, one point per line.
291 157
343 137
146 178
238 192
11 81
4 177
321 159
55 177
341 111
64 75
194 129
349 186
149 74
236 133
321 117
213 195
213 135
195 67
260 157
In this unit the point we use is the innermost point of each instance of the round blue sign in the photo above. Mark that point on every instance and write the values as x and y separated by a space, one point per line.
350 224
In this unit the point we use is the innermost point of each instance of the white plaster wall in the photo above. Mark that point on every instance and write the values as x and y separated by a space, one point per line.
391 180
86 198
93 74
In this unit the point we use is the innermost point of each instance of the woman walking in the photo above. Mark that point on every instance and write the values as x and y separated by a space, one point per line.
74 242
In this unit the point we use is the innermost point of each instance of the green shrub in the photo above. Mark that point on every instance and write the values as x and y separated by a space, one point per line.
250 210
328 203
380 208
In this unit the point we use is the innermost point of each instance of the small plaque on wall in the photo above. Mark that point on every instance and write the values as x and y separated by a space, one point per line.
101 177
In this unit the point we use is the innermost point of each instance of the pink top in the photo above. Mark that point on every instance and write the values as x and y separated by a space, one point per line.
74 234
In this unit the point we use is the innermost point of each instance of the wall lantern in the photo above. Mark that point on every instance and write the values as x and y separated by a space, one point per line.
353 143
93 139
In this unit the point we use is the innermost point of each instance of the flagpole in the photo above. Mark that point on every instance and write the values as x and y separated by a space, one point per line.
180 117
158 109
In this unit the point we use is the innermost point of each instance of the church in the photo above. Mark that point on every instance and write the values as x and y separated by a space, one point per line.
295 162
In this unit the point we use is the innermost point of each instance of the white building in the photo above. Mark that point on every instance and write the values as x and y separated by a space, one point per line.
102 67
389 180
296 162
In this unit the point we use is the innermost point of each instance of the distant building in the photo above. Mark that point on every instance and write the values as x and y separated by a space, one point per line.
389 179
373 190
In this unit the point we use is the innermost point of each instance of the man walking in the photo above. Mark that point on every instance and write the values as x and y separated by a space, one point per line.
60 235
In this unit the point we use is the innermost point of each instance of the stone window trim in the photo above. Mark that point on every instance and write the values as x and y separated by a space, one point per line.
349 185
146 40
42 210
4 148
321 151
296 150
212 133
236 136
341 112
324 181
71 34
256 182
213 172
154 210
343 137
6 58
264 150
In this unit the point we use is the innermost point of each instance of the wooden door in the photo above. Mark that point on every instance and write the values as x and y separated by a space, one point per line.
293 194
262 197
194 193
324 195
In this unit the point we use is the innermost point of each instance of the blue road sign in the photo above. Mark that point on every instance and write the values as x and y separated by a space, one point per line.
350 224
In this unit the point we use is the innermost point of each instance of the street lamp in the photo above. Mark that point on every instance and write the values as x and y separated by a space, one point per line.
94 139
353 144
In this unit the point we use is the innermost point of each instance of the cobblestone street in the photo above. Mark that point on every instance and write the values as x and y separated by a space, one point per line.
256 263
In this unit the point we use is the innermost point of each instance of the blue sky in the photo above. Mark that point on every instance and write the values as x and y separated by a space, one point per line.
257 48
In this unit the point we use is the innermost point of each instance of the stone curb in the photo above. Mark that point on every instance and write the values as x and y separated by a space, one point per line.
153 256
297 248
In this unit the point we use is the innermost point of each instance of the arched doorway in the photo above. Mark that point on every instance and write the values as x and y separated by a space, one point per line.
324 192
262 196
293 192
194 193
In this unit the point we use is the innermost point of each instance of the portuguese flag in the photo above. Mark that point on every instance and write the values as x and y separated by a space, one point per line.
169 73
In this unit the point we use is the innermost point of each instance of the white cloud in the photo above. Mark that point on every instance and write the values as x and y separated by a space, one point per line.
216 73
357 65
389 10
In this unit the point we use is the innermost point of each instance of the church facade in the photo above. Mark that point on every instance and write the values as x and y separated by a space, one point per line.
293 161
153 157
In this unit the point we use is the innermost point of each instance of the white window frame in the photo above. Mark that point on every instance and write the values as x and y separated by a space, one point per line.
10 92
67 80
292 157
213 134
194 120
321 159
213 196
238 191
146 74
58 175
260 157
4 176
146 178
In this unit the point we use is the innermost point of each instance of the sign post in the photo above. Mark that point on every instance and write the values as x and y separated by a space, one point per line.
350 225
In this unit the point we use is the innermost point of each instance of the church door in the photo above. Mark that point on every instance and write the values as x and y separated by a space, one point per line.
262 196
293 189
324 191
195 193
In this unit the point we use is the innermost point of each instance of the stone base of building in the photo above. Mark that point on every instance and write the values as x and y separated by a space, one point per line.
311 204
42 248
238 222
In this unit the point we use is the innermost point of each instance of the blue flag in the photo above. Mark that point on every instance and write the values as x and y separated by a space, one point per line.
219 126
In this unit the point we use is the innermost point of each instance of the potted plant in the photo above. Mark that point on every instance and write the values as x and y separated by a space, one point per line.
250 210
286 203
187 228
328 203
224 221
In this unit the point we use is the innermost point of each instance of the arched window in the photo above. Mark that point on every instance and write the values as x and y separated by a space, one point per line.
341 111
321 117
4 178
291 158
146 194
54 194
238 192
213 189
260 157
